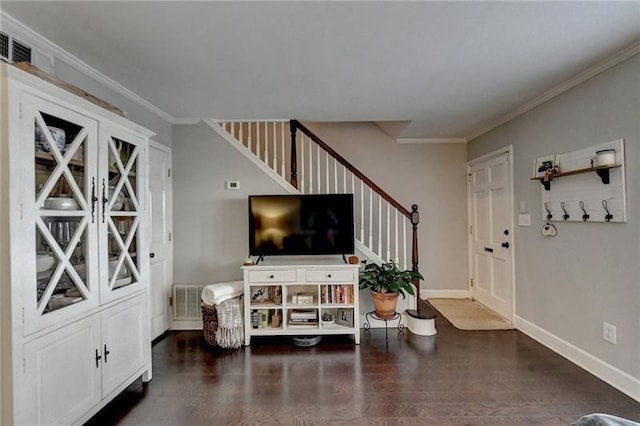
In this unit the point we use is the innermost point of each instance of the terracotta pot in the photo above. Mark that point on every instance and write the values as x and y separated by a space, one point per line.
384 304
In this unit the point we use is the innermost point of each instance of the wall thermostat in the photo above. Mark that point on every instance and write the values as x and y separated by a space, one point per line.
233 184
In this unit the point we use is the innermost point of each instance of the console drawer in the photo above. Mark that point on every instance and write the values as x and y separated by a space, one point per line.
329 275
277 276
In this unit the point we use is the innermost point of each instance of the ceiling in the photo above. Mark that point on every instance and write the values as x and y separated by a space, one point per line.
435 69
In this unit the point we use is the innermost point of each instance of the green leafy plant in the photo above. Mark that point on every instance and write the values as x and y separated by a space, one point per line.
387 278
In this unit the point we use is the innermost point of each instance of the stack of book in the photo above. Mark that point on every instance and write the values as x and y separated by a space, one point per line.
303 318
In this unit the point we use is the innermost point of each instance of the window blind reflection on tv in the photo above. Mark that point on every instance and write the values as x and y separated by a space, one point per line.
301 224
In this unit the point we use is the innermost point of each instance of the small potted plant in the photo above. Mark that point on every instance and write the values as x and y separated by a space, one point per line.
386 282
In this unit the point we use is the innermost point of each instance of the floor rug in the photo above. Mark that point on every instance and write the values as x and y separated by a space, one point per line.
466 314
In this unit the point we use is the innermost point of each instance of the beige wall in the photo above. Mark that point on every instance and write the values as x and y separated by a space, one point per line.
210 223
429 175
589 273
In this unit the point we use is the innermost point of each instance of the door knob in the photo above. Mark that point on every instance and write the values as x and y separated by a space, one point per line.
152 255
505 244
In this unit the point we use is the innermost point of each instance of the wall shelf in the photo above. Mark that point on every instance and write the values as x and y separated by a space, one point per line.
586 194
602 171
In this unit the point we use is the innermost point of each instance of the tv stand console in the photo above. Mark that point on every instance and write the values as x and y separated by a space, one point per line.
291 300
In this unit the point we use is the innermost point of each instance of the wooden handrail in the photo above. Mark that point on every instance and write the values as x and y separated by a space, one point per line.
413 215
295 124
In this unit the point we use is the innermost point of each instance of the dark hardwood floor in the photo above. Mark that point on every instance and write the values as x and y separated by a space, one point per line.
453 378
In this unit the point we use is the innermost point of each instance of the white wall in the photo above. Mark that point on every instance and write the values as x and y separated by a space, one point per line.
134 112
433 176
569 285
47 56
210 223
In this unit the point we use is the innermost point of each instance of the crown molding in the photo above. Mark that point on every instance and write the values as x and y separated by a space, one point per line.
28 35
430 140
598 68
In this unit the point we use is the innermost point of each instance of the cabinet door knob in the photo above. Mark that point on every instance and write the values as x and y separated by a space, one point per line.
328 275
106 353
271 276
505 245
152 255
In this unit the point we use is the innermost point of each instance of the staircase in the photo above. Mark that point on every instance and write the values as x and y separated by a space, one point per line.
301 162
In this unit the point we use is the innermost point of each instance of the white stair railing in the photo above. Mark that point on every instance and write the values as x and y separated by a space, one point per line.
384 229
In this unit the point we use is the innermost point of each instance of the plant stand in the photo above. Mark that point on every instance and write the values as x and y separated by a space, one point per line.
394 317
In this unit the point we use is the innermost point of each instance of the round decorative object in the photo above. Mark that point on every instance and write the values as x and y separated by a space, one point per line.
61 203
606 157
353 260
384 304
305 342
58 135
549 230
119 201
44 262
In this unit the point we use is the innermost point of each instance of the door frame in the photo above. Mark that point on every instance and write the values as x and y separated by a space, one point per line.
169 211
509 151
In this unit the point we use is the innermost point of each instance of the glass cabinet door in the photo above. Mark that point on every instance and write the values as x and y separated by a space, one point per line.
62 145
121 159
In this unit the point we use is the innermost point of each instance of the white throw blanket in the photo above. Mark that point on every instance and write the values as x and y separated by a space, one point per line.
214 294
230 332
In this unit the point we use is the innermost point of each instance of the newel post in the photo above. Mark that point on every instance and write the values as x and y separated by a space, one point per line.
415 219
294 155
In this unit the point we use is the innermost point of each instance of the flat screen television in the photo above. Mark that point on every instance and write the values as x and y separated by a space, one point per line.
319 224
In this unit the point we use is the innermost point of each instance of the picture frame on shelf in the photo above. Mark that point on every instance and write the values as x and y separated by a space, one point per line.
260 295
544 164
344 317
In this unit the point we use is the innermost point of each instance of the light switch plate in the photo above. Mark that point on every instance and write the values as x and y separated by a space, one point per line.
524 220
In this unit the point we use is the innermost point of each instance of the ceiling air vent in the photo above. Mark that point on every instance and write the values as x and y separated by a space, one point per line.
20 52
4 46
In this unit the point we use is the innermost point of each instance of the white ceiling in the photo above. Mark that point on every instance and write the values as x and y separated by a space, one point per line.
448 68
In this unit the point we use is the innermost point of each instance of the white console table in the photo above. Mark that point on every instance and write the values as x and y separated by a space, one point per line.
290 299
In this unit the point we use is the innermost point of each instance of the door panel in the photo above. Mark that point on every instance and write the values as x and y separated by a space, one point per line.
491 237
123 351
160 223
62 379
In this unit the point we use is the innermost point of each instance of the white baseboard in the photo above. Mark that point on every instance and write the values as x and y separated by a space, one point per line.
445 294
186 325
617 378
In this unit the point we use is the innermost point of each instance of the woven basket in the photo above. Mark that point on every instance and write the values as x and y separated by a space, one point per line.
209 323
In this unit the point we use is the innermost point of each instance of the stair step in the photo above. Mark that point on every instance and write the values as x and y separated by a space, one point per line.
425 311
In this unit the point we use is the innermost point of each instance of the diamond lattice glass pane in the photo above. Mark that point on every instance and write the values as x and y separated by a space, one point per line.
55 137
65 293
122 171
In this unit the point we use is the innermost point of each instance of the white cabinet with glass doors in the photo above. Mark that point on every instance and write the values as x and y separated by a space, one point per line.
76 185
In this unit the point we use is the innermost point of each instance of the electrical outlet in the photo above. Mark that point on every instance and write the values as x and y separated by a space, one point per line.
609 332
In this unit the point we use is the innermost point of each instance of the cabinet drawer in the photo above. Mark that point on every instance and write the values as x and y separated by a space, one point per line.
287 275
329 275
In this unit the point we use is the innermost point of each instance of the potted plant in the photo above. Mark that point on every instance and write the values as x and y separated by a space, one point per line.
386 282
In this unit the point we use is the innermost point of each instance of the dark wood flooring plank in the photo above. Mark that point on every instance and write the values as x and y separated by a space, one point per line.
453 378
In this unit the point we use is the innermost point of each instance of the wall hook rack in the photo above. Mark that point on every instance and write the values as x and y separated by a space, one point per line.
608 216
546 207
585 216
565 216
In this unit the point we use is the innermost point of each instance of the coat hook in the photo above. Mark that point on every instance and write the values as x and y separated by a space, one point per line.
608 216
565 216
549 215
585 216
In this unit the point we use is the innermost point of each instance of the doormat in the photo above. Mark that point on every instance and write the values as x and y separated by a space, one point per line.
466 314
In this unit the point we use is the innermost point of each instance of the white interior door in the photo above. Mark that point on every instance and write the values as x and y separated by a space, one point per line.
161 246
491 232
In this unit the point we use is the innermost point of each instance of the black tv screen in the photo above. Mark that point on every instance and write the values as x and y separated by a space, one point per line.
301 224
